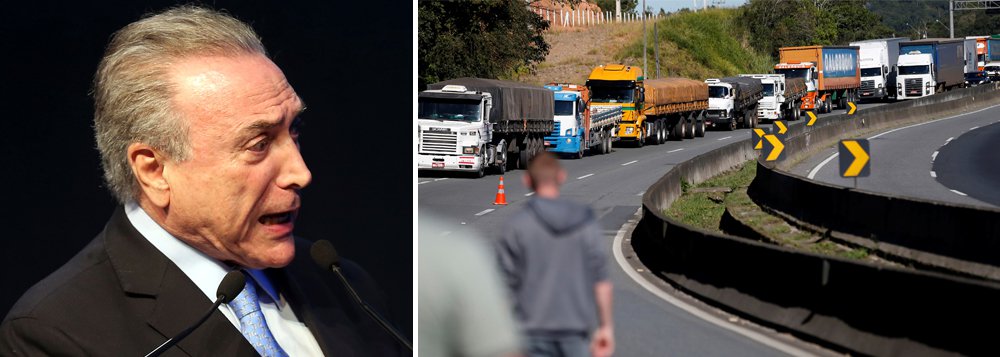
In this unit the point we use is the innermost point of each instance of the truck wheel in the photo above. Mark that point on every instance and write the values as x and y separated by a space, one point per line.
641 139
607 137
689 133
732 124
699 126
522 157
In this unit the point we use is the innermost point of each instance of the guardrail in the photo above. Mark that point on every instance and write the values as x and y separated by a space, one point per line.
855 305
952 237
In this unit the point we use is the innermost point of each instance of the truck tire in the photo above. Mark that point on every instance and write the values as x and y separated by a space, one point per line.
678 131
732 124
523 154
699 127
689 133
606 145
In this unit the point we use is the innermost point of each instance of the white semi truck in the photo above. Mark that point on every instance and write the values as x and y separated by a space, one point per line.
878 67
781 97
732 102
930 66
474 124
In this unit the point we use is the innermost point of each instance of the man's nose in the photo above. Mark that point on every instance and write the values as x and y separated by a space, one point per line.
294 173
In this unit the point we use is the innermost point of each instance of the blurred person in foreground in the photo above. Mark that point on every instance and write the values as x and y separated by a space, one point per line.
463 308
552 258
198 134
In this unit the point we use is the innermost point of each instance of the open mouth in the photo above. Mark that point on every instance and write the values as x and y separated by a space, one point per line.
277 218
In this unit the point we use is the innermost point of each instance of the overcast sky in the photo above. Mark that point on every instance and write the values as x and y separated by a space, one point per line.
674 5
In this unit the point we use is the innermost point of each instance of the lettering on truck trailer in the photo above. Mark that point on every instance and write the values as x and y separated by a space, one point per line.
842 63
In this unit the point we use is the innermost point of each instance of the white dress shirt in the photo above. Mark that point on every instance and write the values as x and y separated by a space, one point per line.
291 334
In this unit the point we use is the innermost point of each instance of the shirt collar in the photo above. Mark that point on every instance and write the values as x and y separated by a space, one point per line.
206 272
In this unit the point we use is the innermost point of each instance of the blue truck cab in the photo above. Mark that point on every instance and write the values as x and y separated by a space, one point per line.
568 132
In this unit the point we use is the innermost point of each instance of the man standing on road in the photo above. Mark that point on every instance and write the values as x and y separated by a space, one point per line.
553 261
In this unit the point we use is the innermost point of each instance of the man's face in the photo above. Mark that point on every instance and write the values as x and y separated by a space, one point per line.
236 197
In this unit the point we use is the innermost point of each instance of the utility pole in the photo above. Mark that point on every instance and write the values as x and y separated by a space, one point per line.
618 10
951 18
645 65
656 49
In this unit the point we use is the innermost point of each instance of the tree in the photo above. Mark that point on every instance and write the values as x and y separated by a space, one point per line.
609 5
772 24
477 38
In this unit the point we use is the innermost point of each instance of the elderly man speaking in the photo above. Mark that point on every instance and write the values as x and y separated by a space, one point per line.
198 135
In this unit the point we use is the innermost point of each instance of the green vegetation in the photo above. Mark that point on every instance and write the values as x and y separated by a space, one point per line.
703 205
914 19
699 45
477 38
774 24
704 209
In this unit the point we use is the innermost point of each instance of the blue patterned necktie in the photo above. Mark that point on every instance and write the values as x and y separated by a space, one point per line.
252 324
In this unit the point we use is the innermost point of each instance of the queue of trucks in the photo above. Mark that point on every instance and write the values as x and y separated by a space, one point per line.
477 125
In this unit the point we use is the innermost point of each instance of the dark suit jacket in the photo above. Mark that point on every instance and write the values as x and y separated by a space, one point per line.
121 297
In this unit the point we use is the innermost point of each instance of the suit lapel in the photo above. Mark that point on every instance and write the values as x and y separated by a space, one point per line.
145 272
329 315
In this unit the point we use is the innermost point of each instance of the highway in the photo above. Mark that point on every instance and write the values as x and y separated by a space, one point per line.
613 184
952 159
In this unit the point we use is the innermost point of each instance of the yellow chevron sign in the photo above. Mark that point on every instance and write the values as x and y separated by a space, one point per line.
812 119
854 158
782 129
758 138
853 108
774 148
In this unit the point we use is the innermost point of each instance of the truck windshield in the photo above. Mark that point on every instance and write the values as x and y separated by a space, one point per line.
564 107
717 91
914 69
792 72
871 72
768 89
610 94
448 109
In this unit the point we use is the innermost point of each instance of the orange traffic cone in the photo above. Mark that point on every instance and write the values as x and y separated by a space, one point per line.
501 196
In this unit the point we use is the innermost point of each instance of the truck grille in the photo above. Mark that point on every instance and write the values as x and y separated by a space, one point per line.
868 86
439 142
913 86
555 130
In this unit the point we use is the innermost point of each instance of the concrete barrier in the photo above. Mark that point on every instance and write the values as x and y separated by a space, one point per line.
950 237
855 306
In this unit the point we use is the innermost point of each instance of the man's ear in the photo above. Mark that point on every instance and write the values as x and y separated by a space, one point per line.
148 164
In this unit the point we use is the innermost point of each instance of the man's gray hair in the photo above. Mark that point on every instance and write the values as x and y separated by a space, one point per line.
132 91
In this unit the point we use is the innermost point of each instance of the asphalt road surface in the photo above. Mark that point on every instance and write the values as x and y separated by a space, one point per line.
613 184
953 159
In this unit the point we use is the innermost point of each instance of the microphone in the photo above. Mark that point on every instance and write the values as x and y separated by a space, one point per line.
326 256
232 284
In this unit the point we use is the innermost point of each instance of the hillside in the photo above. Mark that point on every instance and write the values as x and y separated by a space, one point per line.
694 45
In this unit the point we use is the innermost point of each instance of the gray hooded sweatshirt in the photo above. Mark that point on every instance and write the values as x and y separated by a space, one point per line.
551 255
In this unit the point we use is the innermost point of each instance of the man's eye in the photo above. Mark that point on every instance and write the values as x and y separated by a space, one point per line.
260 146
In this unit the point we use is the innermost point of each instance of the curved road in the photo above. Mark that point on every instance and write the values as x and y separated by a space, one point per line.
645 324
952 159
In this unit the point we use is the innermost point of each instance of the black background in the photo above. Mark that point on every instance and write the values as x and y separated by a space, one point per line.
344 58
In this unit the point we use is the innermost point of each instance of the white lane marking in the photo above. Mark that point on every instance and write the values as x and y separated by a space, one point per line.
423 182
959 192
812 173
949 140
529 194
630 162
640 193
440 179
584 176
934 121
933 174
485 211
721 139
753 335
973 128
675 150
816 169
934 156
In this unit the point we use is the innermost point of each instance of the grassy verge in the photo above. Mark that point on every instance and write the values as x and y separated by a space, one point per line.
704 209
699 45
702 206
